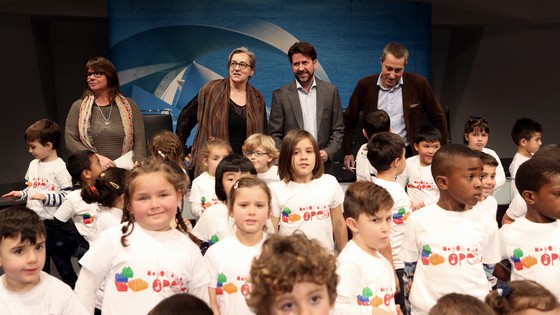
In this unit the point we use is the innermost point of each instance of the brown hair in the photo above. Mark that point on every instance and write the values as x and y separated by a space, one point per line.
522 295
103 65
167 146
44 131
208 146
247 182
395 49
460 304
365 197
265 141
285 261
292 138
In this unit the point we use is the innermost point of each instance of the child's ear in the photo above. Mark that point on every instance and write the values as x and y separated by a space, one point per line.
528 196
49 145
466 136
416 146
365 134
441 182
86 174
523 142
352 225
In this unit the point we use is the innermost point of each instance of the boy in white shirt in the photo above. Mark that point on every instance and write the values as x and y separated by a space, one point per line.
526 134
374 122
262 152
24 288
366 284
487 203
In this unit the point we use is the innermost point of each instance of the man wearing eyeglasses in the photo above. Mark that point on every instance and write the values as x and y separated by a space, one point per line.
405 96
307 103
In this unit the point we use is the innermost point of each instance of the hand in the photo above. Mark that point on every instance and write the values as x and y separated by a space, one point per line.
38 197
14 195
349 163
378 311
324 156
188 159
407 287
105 161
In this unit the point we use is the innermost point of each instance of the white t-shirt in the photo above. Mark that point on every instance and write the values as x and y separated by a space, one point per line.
500 174
203 193
419 182
229 263
489 206
50 296
401 212
450 248
106 218
82 213
270 176
154 266
517 207
215 221
307 207
48 178
364 170
516 162
533 250
365 281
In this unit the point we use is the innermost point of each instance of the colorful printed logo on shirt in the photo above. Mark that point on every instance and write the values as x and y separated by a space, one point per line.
455 255
367 298
213 239
229 287
87 218
307 213
422 185
519 262
207 203
42 184
429 258
401 216
160 281
288 216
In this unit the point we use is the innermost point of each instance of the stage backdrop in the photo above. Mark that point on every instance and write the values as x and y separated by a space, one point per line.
166 50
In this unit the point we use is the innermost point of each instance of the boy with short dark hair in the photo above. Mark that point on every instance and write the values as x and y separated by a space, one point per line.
526 134
367 283
24 288
47 182
386 152
447 246
487 203
532 242
375 122
417 176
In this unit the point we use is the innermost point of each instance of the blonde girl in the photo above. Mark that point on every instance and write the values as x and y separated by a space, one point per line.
143 261
229 261
306 199
203 194
262 152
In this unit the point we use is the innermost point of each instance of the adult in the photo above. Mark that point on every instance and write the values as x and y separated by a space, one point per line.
229 109
104 120
307 103
405 96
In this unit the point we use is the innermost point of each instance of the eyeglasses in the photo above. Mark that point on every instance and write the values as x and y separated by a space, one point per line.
256 153
94 74
241 65
476 119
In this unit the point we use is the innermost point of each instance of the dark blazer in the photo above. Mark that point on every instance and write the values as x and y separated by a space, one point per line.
286 115
418 101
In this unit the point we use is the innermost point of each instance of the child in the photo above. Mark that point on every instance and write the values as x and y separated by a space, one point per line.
177 304
367 282
487 203
374 122
165 145
261 150
47 182
447 247
216 225
144 261
460 304
203 194
386 152
84 167
108 192
306 199
531 243
523 297
229 261
526 134
293 274
24 288
475 137
417 175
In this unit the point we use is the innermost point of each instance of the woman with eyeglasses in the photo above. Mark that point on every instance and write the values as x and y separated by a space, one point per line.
229 108
104 120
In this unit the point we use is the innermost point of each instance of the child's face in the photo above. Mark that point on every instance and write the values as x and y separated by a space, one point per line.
547 201
217 154
229 178
303 161
532 145
371 233
39 151
306 298
250 210
426 151
488 179
260 162
154 201
94 167
464 183
22 262
477 139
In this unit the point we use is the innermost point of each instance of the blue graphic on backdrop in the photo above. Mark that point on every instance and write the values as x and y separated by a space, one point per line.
166 51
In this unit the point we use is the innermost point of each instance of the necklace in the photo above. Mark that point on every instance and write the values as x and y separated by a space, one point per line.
108 117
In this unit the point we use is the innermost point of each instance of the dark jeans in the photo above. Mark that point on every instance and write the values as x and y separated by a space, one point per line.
58 249
400 298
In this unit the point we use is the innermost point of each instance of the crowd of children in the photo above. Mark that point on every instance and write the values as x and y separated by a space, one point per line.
274 234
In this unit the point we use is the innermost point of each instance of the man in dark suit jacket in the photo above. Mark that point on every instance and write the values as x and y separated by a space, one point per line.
405 96
307 103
